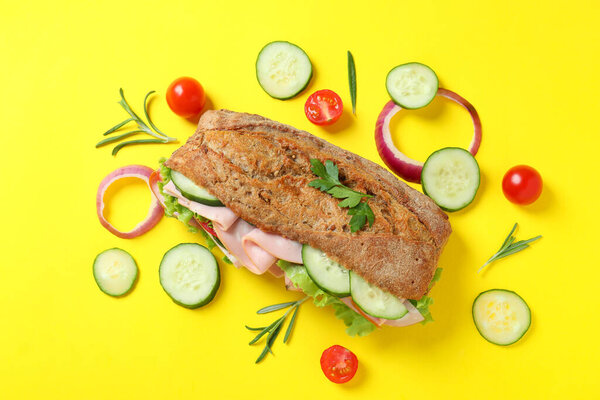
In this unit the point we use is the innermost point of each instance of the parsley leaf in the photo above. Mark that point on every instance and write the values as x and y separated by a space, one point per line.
361 213
351 199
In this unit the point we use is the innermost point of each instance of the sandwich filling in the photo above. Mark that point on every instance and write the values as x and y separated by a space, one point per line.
244 245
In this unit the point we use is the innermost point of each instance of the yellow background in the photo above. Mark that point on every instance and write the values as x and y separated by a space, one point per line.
531 70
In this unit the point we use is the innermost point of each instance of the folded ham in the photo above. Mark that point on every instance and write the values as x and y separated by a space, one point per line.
250 247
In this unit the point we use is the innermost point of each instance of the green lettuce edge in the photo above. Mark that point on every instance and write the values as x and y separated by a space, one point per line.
356 324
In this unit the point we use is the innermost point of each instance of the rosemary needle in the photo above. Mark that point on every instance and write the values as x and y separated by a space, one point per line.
274 328
509 247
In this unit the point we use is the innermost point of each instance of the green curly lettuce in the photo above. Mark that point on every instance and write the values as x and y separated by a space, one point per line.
356 324
172 206
424 302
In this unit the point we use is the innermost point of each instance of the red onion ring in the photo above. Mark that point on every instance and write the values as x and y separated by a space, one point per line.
406 167
155 212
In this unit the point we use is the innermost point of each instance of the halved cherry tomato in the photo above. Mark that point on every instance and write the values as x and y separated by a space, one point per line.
323 107
186 97
522 184
339 364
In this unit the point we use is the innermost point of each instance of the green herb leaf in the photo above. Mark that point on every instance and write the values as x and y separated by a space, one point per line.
129 111
318 168
332 171
509 247
360 214
275 307
290 325
255 329
352 81
132 142
117 126
274 328
159 136
263 354
117 138
330 183
148 116
321 184
264 331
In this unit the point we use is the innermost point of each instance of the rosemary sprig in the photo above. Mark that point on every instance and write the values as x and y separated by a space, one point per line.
272 331
159 136
330 183
352 81
509 247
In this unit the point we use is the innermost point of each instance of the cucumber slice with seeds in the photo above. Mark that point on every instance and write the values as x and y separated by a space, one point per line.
412 85
451 178
326 273
283 70
190 275
115 272
501 316
375 301
191 191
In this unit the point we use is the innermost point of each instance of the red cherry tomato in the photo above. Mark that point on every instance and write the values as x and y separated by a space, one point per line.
339 364
522 185
323 107
186 97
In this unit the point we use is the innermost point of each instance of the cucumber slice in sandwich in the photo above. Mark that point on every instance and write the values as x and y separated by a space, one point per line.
115 272
412 85
191 191
375 301
501 316
451 178
189 274
326 273
283 70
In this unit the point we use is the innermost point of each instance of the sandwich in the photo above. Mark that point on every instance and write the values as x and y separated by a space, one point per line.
248 184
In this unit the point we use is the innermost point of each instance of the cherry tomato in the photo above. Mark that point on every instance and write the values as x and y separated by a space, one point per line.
186 97
323 107
522 185
339 364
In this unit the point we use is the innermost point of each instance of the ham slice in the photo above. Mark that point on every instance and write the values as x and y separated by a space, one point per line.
258 260
411 318
221 216
278 246
276 271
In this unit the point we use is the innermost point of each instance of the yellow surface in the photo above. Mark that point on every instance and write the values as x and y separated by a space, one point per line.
532 72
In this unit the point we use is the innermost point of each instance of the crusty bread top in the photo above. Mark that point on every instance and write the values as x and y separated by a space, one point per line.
261 169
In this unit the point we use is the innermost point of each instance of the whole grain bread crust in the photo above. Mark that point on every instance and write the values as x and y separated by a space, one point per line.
261 169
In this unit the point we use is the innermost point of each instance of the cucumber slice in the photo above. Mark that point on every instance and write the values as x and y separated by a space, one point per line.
412 85
451 178
501 316
115 272
326 273
192 191
283 70
375 301
189 273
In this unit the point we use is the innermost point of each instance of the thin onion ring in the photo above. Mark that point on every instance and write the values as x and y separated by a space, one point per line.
402 165
155 211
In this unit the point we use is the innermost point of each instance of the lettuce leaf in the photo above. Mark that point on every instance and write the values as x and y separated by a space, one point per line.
424 302
172 206
210 243
356 324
